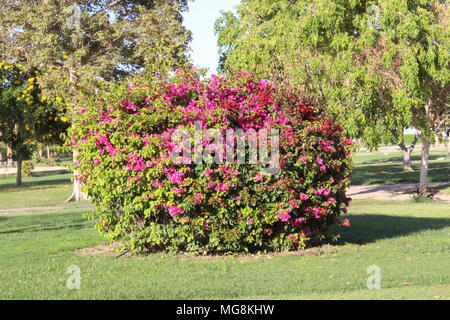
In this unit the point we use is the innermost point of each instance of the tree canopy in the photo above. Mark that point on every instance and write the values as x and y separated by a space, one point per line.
27 117
78 41
379 66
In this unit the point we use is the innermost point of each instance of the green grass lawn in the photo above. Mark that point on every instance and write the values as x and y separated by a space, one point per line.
379 168
409 241
37 191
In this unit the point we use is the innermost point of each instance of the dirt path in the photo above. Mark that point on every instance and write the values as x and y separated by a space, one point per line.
21 210
401 191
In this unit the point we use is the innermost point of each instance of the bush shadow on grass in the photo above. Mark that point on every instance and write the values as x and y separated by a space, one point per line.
368 228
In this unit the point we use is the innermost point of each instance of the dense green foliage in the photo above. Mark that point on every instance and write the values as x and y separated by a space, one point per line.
76 43
379 66
26 116
83 43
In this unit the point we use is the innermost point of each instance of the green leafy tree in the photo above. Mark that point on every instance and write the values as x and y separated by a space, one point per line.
77 43
26 118
378 66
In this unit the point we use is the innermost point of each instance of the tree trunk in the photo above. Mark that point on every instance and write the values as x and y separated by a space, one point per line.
77 194
19 173
424 164
448 141
48 153
407 165
9 157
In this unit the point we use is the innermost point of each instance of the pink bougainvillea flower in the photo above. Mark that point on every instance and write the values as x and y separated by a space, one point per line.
318 212
222 187
198 197
258 177
348 142
263 84
344 222
174 211
178 190
298 221
283 216
175 176
293 203
304 197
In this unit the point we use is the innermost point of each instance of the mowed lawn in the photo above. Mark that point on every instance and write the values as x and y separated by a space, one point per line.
41 190
408 241
375 168
386 168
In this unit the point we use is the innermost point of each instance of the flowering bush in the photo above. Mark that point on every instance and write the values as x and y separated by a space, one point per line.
142 197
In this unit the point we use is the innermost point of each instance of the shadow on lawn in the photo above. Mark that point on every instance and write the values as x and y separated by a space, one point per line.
393 173
367 228
71 227
399 159
56 179
17 224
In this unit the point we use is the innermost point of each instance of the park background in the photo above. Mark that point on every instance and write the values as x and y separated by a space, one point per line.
394 225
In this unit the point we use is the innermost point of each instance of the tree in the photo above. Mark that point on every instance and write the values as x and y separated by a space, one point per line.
379 66
26 118
77 43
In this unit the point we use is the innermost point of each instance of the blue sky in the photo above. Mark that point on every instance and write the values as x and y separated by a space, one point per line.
200 20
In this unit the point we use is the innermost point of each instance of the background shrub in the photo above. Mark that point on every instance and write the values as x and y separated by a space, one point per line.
28 167
144 199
